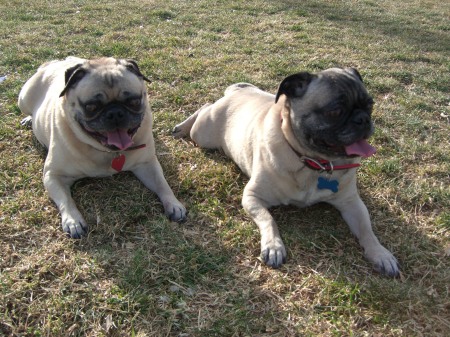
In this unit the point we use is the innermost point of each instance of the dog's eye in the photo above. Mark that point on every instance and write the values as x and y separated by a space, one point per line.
91 107
135 103
334 113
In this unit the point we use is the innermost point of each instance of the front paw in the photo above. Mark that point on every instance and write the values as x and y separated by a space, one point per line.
75 227
175 211
383 261
273 252
179 132
27 121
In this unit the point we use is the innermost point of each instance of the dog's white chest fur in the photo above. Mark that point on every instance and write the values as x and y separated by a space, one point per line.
311 196
305 191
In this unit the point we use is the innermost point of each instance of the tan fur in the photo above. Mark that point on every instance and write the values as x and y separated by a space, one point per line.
257 134
72 153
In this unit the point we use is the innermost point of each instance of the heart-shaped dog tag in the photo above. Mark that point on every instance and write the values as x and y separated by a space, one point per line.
118 162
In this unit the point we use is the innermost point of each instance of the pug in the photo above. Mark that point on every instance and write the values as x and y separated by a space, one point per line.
301 146
94 118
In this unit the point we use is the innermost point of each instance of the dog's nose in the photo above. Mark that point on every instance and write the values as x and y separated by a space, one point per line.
115 116
362 119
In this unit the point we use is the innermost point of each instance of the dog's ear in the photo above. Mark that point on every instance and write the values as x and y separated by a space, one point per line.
354 72
133 67
294 86
72 76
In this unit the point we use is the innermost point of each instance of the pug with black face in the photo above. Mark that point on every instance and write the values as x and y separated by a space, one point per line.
301 146
94 118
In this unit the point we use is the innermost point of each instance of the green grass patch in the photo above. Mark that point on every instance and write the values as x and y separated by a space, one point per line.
137 274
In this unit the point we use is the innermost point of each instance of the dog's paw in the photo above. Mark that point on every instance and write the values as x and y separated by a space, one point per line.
179 132
175 211
27 121
74 228
383 261
273 252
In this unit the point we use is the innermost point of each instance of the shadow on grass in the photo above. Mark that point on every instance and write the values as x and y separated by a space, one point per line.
204 278
148 275
321 246
169 278
165 278
196 278
377 21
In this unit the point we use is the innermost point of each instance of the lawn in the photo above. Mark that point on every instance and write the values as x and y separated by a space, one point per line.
138 274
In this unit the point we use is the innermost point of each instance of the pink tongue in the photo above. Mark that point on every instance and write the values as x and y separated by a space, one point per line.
361 148
119 138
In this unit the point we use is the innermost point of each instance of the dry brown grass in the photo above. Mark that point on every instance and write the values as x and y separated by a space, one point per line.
136 274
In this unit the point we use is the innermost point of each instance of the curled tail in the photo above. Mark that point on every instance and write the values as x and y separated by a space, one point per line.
237 86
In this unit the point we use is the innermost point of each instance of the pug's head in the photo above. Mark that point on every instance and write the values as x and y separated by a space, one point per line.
108 99
330 112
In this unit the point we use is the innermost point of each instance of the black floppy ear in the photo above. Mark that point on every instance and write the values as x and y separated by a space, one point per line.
72 76
294 85
354 72
133 67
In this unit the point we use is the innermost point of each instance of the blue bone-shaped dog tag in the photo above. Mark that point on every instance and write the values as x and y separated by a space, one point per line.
325 184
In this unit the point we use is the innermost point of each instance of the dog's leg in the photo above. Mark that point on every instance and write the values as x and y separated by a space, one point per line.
273 252
151 175
357 217
58 188
184 128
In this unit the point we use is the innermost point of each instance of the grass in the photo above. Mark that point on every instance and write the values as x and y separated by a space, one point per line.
137 274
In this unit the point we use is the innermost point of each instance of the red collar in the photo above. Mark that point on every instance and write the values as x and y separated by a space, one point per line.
325 165
136 147
322 164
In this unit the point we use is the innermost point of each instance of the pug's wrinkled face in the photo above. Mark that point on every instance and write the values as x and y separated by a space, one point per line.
331 112
108 99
